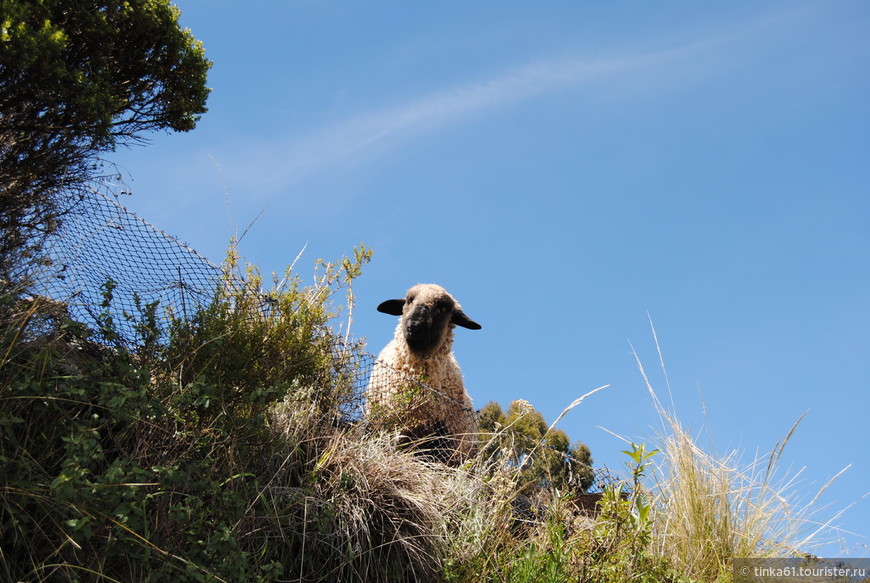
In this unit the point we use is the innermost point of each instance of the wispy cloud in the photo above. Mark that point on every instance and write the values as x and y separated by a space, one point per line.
292 160
297 158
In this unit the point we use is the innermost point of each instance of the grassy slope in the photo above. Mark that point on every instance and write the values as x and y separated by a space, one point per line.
219 450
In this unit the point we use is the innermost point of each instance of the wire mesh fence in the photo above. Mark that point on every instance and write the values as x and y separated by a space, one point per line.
100 242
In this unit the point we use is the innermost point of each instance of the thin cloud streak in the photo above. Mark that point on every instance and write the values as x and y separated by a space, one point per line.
289 162
347 141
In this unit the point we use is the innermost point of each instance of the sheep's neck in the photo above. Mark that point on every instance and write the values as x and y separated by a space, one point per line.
431 363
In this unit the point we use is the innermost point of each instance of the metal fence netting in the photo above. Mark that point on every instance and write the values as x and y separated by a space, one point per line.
100 241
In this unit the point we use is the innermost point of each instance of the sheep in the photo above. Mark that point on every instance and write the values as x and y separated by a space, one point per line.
416 386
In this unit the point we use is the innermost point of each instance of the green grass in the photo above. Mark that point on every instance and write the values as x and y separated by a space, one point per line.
220 450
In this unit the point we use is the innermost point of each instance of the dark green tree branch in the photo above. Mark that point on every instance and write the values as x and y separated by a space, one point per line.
78 79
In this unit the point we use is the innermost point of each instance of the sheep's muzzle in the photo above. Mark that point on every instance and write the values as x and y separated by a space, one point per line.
424 328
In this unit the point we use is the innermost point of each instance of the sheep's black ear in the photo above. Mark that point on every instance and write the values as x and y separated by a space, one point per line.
392 307
460 319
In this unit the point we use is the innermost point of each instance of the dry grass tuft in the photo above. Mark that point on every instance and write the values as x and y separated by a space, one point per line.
366 511
712 508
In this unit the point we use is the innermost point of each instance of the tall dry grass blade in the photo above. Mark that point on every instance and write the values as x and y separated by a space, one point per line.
779 447
663 413
614 434
661 360
20 327
541 442
279 286
712 507
828 525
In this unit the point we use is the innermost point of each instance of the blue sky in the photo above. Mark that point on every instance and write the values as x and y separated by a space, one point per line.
568 170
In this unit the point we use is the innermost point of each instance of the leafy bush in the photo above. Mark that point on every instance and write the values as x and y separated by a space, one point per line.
151 464
608 544
224 447
515 435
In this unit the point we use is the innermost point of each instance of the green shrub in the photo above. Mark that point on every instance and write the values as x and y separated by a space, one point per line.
565 544
222 447
521 438
149 463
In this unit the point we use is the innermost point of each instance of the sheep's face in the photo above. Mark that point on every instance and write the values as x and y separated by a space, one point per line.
426 319
428 312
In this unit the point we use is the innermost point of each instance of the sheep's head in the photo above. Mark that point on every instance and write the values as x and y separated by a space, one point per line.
428 312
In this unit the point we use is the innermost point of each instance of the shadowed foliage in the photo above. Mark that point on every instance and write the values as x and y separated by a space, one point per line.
518 432
78 79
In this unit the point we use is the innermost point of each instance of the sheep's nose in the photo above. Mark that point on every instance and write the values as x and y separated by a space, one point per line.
416 326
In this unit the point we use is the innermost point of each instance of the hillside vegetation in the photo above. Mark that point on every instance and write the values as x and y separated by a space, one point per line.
228 446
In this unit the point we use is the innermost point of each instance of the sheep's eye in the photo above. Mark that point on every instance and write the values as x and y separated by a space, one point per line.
443 308
409 301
